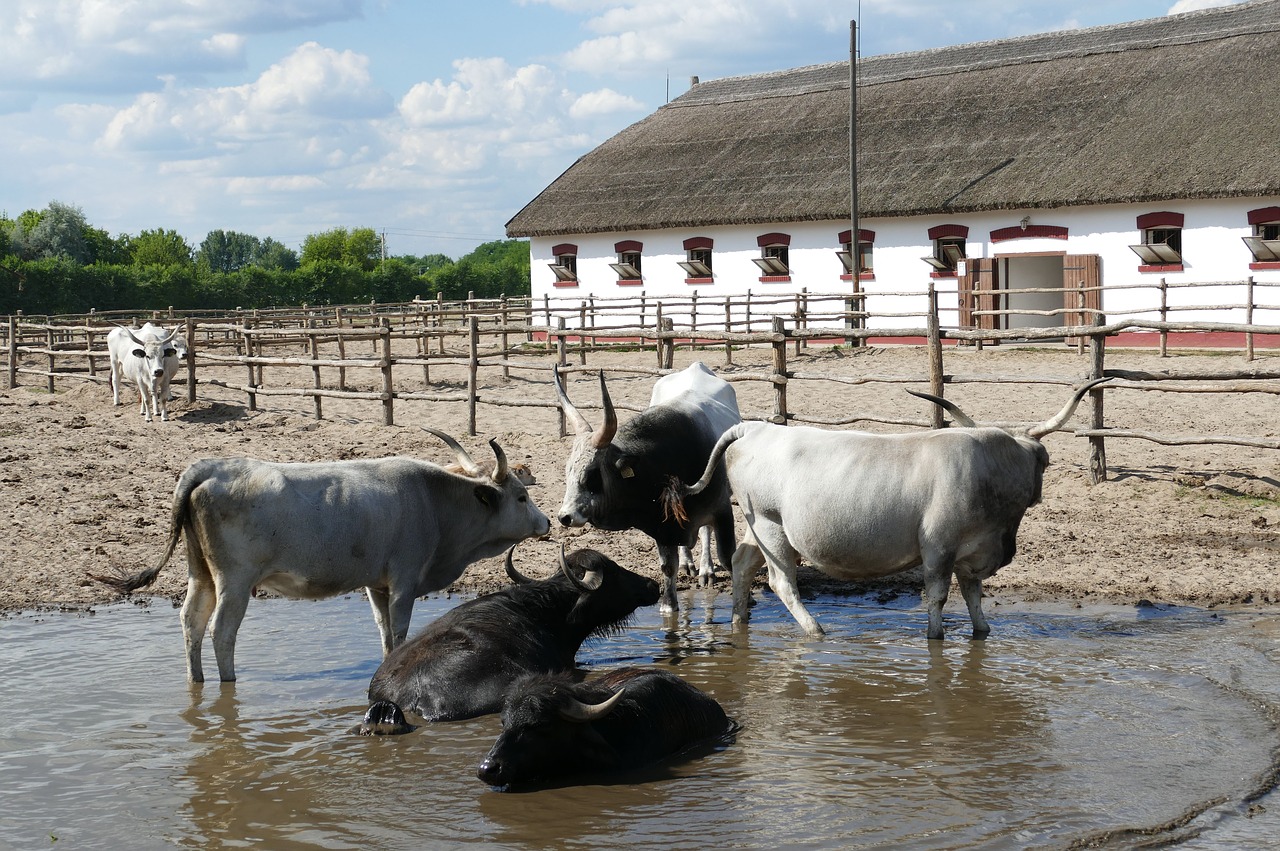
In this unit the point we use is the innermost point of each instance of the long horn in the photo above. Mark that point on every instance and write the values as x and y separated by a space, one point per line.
580 424
514 575
167 337
472 468
1054 423
950 407
589 582
604 437
576 710
501 470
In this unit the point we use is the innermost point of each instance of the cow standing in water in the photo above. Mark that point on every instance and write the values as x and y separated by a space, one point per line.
857 505
462 663
615 475
397 527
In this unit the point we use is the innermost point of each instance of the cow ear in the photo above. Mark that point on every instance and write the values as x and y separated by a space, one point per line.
624 467
139 353
487 495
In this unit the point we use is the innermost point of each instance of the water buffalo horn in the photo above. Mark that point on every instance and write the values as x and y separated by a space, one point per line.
472 468
589 582
500 471
576 710
604 436
514 575
950 407
1056 422
580 424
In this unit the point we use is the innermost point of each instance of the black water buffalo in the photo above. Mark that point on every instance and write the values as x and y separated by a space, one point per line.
462 664
615 474
553 726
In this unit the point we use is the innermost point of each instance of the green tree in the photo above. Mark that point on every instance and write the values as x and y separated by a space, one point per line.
58 231
227 251
361 248
160 248
275 255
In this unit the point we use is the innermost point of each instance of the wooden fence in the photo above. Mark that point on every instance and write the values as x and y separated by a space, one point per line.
392 344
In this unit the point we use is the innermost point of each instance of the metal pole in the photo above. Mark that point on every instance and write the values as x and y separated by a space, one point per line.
853 168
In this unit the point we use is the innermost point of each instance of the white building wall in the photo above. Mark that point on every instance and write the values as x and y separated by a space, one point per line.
1212 249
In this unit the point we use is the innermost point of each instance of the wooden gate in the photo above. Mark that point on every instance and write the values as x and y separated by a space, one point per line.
1081 289
979 292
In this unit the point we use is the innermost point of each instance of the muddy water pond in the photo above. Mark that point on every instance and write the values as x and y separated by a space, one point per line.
1108 726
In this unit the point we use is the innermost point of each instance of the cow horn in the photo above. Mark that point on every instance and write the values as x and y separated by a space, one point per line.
167 337
590 581
1056 422
514 575
575 710
501 470
472 468
580 424
604 437
950 407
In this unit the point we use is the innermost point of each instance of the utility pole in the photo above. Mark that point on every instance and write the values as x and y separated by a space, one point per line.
854 244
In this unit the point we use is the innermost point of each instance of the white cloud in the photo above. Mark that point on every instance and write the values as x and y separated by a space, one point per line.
111 45
482 91
1196 5
603 102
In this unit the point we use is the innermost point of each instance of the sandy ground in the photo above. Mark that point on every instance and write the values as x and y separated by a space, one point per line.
86 487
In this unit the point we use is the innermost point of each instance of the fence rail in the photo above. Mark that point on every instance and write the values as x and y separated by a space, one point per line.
408 340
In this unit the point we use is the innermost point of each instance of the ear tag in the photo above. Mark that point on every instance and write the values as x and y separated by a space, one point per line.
627 472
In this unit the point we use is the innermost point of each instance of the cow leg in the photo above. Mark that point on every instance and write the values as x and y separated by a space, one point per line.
780 558
972 590
380 602
937 585
686 560
196 610
400 612
670 557
706 567
228 613
744 563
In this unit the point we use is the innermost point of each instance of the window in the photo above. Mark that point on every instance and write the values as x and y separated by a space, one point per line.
1161 246
628 265
948 249
865 268
697 262
1264 243
774 262
565 266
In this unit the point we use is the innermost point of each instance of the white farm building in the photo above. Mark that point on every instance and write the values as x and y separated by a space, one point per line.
1116 157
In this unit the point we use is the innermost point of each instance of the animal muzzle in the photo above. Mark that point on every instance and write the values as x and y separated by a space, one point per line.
159 373
492 771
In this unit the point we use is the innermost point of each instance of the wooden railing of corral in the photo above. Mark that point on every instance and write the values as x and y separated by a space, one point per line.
459 332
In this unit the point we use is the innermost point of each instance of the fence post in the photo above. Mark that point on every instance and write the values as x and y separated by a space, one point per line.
728 327
693 322
506 355
13 351
546 307
313 345
52 364
248 351
1248 318
657 340
1164 317
191 360
779 373
388 385
560 361
88 343
473 368
1097 443
668 351
934 327
582 328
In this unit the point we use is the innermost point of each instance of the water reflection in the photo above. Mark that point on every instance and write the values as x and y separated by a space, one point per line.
1065 724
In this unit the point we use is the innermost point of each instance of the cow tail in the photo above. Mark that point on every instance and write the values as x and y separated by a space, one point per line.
125 584
673 495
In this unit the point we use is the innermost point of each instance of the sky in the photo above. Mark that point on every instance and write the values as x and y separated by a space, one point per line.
431 122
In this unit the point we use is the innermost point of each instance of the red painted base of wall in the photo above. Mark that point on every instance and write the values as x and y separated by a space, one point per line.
1130 340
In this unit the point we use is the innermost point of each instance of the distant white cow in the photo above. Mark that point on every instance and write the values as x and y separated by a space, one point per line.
857 505
398 527
179 343
147 359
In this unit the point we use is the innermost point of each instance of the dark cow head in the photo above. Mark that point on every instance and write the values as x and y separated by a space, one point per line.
548 730
612 478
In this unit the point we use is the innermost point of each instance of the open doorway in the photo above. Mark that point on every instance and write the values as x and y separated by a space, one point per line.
1025 290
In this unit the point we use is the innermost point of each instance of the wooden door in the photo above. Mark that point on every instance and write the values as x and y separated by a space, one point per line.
1081 289
979 290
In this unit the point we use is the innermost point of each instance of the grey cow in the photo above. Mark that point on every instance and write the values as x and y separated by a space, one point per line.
398 527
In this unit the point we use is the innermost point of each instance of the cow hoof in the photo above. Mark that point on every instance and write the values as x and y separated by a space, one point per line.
383 718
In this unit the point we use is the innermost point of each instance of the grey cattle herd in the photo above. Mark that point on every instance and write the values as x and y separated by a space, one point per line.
852 504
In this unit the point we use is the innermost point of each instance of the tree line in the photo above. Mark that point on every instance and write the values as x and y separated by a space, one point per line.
52 261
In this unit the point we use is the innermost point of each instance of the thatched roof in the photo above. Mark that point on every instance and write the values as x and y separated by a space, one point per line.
1177 107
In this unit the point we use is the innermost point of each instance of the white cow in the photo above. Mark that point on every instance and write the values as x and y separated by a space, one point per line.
149 360
398 527
179 344
858 506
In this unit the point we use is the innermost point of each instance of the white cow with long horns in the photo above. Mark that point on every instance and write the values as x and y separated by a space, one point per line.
148 359
857 505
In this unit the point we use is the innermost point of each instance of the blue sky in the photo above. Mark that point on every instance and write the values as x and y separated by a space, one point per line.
434 122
